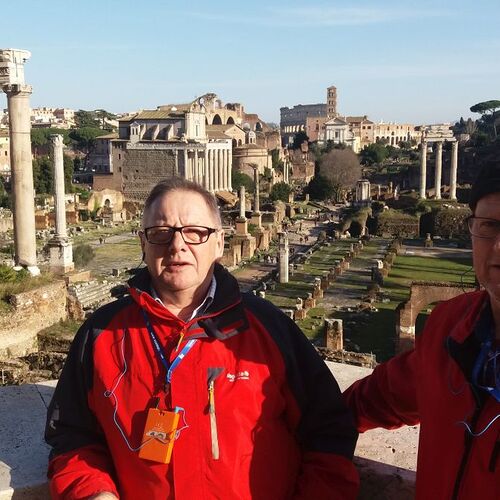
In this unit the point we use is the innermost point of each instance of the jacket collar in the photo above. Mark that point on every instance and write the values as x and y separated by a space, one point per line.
222 319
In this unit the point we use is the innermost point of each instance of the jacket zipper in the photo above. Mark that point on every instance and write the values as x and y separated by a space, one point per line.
469 439
213 420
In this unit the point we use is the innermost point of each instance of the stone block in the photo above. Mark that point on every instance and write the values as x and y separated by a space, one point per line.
334 334
300 314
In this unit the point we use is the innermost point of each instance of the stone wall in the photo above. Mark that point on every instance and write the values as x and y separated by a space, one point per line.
6 223
143 169
33 311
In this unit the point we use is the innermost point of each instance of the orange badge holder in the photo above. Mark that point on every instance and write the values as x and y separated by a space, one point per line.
159 435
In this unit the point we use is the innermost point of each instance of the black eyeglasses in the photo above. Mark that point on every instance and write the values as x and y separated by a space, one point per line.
482 227
192 235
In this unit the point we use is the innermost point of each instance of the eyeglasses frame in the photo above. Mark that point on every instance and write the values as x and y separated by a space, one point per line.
179 229
470 221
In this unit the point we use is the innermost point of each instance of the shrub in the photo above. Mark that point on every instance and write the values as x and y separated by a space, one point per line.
82 255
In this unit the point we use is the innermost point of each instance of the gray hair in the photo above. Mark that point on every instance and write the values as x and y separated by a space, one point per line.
181 184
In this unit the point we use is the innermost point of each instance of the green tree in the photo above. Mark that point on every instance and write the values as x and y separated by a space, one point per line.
488 112
373 154
84 139
43 177
40 137
320 188
280 191
68 174
102 115
239 179
5 201
86 119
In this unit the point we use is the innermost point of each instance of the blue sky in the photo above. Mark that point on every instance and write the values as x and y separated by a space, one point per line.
406 61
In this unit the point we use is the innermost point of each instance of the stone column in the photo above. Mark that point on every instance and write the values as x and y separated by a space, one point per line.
176 160
197 177
18 102
206 172
60 248
242 202
226 170
230 169
439 167
211 169
256 179
453 172
186 166
423 169
283 257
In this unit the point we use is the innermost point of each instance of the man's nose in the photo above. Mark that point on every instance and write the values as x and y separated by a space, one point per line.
177 243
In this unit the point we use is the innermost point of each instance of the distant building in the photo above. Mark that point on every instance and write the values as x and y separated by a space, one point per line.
362 128
331 102
52 117
172 140
4 153
339 131
394 133
315 127
294 120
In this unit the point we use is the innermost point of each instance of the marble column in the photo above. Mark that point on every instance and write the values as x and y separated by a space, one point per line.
206 172
197 178
216 170
283 258
225 170
230 169
453 172
211 166
242 202
18 102
439 167
60 248
256 179
176 160
423 169
186 165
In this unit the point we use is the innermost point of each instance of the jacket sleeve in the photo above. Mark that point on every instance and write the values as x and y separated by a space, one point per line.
387 397
323 425
80 465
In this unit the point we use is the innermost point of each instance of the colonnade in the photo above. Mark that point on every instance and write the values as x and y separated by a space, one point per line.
209 167
438 168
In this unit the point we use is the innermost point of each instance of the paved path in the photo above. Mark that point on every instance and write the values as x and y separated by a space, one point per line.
347 290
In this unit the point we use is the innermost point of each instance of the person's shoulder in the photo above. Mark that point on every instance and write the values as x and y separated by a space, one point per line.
105 314
465 302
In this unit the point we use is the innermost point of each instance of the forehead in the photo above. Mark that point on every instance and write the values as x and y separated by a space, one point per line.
489 206
179 207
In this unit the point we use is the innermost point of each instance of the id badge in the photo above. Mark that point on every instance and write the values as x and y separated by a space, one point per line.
159 435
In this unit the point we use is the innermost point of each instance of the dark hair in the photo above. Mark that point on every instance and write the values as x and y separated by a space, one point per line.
487 182
181 184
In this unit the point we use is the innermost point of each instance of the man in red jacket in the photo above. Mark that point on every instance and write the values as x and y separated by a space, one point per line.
450 381
187 389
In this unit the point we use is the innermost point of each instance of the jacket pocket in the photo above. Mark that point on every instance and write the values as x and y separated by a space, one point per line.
212 375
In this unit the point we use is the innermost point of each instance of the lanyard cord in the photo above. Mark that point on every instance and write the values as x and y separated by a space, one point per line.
169 368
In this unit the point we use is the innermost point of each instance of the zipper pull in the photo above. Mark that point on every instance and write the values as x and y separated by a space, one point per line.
211 399
213 420
181 337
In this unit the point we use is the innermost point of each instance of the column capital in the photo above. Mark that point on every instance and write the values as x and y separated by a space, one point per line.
15 89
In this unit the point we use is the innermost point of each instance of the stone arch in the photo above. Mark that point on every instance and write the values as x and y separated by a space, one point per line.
258 127
217 120
235 143
422 293
230 121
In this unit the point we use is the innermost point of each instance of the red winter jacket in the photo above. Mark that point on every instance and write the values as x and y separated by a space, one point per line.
431 385
282 428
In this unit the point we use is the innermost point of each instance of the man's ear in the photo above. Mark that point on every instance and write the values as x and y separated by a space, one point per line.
220 245
142 238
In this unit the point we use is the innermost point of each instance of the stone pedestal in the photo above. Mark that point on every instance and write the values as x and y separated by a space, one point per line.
242 226
60 256
334 337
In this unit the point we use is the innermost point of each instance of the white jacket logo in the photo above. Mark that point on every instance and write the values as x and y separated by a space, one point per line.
238 376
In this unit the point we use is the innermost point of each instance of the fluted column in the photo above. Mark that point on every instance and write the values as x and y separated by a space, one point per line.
196 168
224 170
423 169
186 166
206 175
18 101
216 169
211 164
439 167
453 172
221 170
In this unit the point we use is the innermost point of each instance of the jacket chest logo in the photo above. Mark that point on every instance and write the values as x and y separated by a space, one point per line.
243 375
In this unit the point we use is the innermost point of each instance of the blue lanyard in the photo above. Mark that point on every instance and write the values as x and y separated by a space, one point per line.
169 368
483 358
